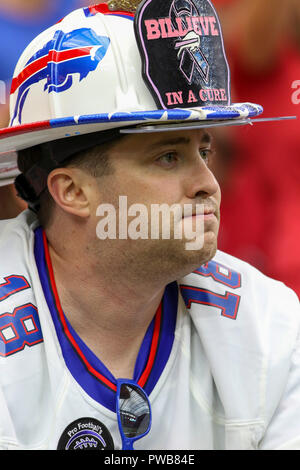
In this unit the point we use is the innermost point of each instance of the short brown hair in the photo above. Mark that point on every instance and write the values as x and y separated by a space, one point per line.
95 161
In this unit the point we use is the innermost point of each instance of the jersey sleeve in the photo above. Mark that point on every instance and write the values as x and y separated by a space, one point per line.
283 430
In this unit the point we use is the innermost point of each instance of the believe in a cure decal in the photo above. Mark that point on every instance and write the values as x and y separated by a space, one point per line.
182 52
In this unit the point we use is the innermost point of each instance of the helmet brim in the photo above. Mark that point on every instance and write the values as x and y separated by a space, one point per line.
28 135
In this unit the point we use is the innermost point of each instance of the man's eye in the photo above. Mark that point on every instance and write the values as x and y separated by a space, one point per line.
167 159
205 154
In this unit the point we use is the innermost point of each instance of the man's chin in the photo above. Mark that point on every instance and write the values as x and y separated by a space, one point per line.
198 258
169 260
188 260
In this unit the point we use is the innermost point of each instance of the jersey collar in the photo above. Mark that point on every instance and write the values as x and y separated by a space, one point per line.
86 368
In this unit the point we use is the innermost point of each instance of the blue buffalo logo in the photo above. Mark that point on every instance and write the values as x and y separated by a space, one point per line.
77 52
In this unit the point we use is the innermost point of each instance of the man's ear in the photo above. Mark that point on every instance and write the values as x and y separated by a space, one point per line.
68 186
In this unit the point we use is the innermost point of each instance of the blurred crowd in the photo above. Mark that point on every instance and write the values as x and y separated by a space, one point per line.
260 169
258 166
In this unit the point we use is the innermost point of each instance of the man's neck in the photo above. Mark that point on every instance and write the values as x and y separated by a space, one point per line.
109 312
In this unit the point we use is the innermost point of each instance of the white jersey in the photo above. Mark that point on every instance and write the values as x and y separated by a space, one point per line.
220 361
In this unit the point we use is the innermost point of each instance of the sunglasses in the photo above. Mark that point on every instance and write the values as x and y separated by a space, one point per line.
133 412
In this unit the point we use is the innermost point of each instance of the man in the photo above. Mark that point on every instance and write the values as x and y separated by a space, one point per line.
113 329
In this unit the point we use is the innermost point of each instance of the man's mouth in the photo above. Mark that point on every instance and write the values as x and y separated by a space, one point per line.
205 212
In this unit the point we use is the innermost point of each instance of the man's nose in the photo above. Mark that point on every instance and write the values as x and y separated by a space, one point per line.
201 181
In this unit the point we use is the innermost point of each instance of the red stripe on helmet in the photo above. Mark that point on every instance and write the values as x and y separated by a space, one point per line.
42 62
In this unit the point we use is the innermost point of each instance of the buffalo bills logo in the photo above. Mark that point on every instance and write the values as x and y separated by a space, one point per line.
67 54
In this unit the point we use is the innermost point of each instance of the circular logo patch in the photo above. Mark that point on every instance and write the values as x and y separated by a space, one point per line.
86 434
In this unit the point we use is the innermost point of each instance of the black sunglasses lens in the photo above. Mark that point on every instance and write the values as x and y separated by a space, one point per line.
134 411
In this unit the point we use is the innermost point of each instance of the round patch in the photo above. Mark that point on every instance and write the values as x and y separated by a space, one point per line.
86 434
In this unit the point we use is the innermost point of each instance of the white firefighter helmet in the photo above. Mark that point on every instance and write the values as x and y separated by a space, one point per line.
101 68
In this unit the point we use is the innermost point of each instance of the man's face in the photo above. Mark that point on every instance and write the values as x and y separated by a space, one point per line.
170 168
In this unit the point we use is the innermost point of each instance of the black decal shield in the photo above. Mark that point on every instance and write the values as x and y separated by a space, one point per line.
182 51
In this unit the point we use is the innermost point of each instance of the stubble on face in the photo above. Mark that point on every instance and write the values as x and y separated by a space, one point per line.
161 259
